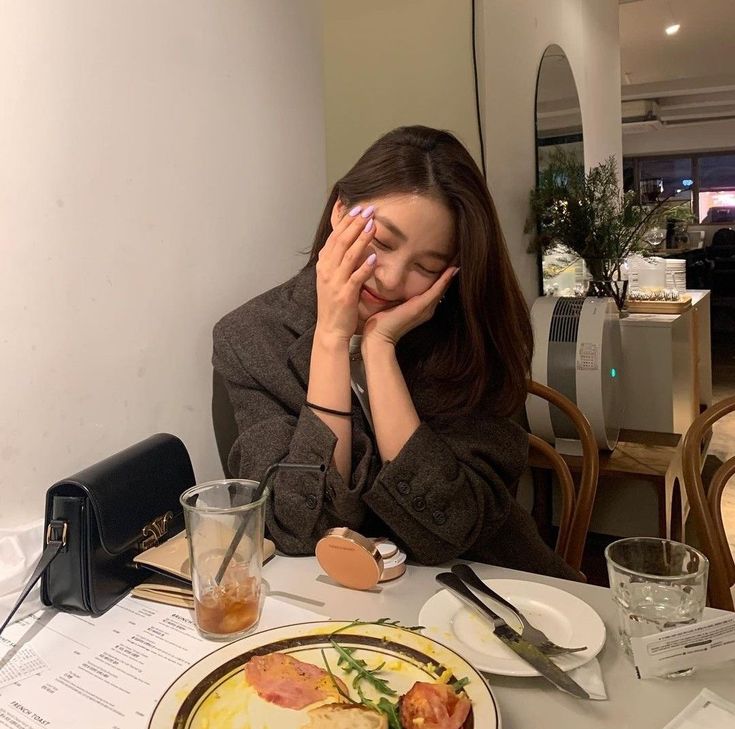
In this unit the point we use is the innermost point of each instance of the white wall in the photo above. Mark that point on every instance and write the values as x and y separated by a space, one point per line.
389 63
161 163
715 135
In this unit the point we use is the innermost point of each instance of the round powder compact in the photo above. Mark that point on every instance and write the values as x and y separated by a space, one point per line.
386 548
349 558
394 567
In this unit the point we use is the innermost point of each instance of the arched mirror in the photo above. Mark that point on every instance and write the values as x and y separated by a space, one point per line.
558 125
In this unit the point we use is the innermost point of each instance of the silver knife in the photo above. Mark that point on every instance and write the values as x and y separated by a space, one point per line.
524 650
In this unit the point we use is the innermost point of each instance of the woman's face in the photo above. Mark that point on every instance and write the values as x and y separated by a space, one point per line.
413 243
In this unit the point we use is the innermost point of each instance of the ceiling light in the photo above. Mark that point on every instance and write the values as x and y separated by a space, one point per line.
672 29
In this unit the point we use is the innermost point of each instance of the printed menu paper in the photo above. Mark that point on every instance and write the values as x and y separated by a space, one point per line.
111 670
699 644
707 711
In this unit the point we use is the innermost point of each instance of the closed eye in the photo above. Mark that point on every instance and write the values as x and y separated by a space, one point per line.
377 243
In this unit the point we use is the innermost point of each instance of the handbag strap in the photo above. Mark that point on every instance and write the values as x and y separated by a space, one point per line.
55 542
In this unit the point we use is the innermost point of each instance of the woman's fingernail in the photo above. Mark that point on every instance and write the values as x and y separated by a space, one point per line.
455 272
368 211
355 210
369 225
372 258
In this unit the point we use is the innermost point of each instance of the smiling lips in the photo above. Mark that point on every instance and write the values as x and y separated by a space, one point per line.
372 297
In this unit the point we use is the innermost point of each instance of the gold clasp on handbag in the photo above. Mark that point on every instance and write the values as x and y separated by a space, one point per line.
155 531
52 532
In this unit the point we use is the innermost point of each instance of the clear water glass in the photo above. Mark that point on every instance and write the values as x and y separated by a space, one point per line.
657 585
224 526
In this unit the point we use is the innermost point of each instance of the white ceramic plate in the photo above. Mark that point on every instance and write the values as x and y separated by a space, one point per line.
565 619
206 694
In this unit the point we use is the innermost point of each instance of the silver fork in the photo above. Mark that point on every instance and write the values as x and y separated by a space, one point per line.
529 632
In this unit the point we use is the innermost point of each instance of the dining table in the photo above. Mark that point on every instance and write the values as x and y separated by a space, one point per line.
523 702
299 585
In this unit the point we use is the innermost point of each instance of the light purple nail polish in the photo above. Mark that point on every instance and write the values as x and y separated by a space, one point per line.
372 258
369 225
355 210
368 211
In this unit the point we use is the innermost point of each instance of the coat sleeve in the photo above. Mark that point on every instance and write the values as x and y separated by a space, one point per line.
272 428
440 491
447 495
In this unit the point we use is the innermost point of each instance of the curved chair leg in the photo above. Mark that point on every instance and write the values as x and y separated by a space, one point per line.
674 490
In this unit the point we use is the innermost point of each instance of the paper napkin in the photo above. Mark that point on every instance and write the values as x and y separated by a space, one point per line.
20 550
589 677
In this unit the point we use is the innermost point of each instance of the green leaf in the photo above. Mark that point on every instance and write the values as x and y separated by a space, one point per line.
459 684
379 621
340 691
361 667
391 711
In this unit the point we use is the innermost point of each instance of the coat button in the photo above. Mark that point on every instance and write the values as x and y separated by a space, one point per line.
419 503
311 501
404 488
439 517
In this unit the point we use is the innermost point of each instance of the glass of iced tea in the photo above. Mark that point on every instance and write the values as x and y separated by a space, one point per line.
224 528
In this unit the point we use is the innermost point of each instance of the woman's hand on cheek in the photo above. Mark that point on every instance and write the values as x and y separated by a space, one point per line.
390 325
341 271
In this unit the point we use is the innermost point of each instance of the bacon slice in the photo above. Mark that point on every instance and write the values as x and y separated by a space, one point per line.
433 706
288 682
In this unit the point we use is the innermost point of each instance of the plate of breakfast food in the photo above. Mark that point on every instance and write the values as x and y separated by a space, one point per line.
330 675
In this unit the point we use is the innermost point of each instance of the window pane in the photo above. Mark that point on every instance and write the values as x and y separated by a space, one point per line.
628 174
717 172
659 177
717 207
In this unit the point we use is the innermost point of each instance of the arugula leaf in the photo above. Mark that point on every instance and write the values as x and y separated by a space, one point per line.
379 621
351 664
362 673
391 711
459 684
340 691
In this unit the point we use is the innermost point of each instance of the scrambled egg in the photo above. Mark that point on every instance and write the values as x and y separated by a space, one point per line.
236 705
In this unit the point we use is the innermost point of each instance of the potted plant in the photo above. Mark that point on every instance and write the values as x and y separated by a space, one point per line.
589 216
677 219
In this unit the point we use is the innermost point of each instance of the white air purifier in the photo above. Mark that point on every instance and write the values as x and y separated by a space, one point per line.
577 351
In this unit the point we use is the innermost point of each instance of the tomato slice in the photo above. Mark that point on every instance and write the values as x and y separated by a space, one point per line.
433 706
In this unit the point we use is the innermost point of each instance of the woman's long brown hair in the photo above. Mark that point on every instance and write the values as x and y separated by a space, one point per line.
477 348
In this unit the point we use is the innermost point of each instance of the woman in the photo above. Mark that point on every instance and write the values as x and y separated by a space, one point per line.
394 358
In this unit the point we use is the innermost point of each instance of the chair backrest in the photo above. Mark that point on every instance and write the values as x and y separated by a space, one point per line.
576 506
705 508
223 420
723 237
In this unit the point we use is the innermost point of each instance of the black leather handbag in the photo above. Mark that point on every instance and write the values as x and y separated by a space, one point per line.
100 518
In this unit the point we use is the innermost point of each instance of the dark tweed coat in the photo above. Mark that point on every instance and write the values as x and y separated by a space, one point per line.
444 496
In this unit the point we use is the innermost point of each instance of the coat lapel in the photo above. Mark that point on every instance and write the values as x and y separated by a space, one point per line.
299 356
302 318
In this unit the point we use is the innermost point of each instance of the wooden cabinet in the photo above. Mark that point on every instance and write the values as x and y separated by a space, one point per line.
667 379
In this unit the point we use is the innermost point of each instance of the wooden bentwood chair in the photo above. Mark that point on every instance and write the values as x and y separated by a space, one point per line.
684 477
576 509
